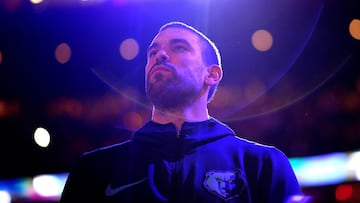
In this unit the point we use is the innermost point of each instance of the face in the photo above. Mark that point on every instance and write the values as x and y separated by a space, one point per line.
175 71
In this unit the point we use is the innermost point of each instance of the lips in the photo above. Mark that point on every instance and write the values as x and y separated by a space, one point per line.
158 68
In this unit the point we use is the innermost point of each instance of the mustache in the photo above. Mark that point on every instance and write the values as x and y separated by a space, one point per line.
162 63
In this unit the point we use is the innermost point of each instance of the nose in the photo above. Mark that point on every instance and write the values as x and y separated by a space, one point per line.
162 56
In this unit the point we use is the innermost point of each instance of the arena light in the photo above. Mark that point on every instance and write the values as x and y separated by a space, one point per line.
5 197
48 186
327 169
63 53
262 40
354 165
1 57
66 2
36 1
354 28
42 137
129 49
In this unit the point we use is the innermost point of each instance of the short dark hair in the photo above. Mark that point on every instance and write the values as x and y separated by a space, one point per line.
210 53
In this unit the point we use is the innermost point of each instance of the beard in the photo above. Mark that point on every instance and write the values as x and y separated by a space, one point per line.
168 91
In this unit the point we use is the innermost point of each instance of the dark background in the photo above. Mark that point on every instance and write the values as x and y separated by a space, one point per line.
303 95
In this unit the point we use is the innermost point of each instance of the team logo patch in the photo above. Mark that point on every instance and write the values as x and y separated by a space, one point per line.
225 184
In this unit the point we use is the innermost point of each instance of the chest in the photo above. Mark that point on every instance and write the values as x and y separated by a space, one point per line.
199 176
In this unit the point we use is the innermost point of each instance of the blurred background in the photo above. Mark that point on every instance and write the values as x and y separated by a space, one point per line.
72 80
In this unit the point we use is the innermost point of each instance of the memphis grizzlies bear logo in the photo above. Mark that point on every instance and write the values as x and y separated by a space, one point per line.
225 184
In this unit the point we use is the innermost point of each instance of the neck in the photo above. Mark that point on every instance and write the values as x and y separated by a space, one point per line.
178 116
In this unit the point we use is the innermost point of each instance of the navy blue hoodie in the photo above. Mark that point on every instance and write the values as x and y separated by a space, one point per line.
204 162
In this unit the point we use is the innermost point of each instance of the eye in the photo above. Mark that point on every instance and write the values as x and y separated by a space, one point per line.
152 53
180 48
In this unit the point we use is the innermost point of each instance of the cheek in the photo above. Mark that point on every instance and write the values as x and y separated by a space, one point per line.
196 75
190 66
200 74
147 67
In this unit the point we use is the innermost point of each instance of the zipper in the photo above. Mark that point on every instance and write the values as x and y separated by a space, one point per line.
177 170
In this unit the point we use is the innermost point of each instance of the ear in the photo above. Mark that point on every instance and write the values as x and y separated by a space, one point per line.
214 75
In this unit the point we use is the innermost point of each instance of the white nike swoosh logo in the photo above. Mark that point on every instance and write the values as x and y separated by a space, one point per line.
112 191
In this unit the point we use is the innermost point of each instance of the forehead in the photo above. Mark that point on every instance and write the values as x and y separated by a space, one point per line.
169 34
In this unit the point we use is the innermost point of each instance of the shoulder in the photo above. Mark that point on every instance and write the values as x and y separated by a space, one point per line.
252 146
254 149
270 160
109 152
111 148
244 146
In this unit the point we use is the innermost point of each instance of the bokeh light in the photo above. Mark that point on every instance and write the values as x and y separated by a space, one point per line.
132 121
354 28
47 185
42 137
343 192
36 1
1 57
253 89
63 53
299 199
12 5
66 107
323 169
262 40
5 197
224 97
9 108
354 164
129 49
2 108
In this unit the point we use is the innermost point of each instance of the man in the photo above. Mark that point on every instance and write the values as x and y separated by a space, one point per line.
182 154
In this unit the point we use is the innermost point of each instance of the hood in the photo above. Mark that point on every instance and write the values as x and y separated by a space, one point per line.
166 140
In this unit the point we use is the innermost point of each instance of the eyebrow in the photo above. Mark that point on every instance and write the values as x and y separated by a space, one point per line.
152 46
172 42
183 41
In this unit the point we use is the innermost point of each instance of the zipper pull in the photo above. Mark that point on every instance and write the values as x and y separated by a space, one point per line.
178 133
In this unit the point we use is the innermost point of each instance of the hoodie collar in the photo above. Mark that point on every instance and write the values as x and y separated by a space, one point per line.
191 135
